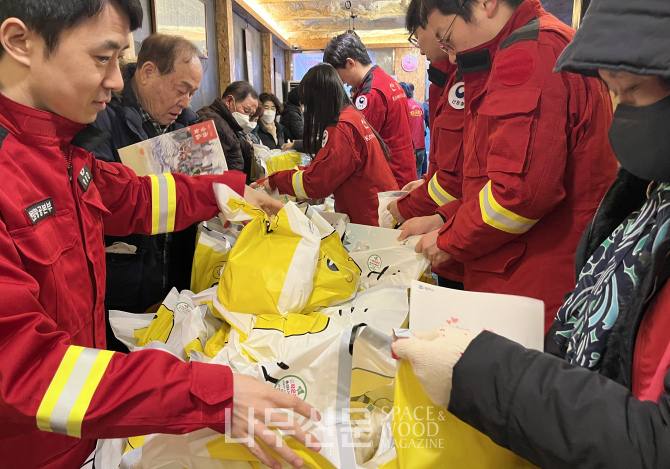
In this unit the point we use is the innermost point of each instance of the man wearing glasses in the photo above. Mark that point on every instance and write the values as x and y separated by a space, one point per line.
443 182
537 160
379 98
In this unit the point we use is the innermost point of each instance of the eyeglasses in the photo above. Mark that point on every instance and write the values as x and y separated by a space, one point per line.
412 40
444 44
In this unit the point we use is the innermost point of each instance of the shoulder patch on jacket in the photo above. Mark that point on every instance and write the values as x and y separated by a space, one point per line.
437 77
90 138
473 62
3 133
529 32
515 67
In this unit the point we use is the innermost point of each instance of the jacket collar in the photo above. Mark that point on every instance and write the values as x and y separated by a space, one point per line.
480 58
221 109
365 86
35 126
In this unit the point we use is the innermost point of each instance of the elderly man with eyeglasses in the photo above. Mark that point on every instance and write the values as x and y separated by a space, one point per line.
536 156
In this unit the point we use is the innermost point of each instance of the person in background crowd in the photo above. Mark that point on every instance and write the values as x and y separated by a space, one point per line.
351 159
60 390
253 135
270 132
380 99
230 115
605 402
416 125
532 176
154 100
293 121
443 182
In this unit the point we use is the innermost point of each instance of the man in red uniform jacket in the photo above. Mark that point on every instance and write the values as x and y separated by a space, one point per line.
417 126
537 160
443 182
60 389
379 98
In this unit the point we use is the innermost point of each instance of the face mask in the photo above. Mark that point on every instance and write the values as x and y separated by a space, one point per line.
269 116
248 127
640 138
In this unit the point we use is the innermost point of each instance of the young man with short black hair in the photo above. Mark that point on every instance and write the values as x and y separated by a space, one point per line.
379 98
537 160
60 390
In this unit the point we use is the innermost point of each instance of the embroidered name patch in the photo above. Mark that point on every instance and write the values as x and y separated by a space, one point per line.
39 211
84 178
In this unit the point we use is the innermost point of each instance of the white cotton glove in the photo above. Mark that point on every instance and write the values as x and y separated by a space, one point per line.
433 355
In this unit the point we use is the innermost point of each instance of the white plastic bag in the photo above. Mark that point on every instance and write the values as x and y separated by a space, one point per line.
385 198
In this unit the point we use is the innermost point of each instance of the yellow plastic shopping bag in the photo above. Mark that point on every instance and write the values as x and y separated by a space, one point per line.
284 161
337 276
211 254
429 437
271 267
178 323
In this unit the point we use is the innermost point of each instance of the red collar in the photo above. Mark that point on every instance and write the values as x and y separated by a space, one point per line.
31 124
480 58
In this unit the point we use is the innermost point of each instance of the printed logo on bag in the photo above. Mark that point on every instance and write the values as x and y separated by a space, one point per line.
85 178
39 211
457 95
293 385
374 263
218 271
184 308
324 140
361 102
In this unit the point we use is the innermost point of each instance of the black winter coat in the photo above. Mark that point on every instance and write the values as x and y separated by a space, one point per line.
137 281
266 137
293 122
559 416
228 129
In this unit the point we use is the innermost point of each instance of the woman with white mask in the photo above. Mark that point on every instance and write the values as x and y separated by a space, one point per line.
270 131
231 116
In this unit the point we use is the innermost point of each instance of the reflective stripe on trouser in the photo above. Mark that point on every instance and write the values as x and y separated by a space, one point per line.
298 186
439 195
163 203
499 217
66 401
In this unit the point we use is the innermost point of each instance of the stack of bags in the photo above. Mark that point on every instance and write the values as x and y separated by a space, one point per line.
276 297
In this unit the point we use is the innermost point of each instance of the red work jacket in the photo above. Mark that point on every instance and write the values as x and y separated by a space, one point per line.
384 104
59 390
444 177
417 125
651 358
537 162
445 173
350 165
439 74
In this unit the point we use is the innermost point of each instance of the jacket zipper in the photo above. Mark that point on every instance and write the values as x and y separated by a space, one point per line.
68 160
70 171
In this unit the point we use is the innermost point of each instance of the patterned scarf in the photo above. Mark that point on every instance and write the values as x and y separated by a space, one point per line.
609 279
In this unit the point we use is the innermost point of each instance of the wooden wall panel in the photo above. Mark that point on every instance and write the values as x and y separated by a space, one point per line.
225 41
268 63
417 77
